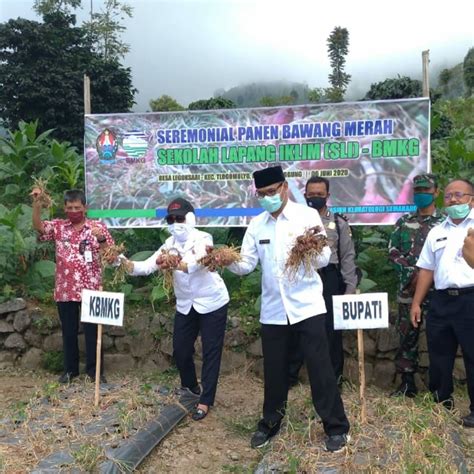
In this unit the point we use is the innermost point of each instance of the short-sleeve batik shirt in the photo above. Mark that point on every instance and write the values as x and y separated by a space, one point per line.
77 257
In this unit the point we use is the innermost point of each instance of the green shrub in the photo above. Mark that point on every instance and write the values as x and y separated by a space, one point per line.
53 361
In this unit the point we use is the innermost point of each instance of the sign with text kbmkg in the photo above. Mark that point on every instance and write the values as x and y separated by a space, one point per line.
102 307
135 164
364 311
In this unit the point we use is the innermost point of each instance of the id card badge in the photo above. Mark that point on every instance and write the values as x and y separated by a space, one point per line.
88 256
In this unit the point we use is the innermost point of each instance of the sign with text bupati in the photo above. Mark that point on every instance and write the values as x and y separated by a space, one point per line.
102 307
135 164
363 311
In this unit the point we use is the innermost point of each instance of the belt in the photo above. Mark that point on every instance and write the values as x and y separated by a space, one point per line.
457 291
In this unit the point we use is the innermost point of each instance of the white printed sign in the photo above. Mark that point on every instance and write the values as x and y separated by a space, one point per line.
364 311
102 307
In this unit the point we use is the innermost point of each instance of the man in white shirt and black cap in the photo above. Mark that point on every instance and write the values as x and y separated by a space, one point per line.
450 318
288 307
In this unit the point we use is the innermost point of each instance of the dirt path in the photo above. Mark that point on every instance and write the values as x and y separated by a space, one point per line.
16 387
220 442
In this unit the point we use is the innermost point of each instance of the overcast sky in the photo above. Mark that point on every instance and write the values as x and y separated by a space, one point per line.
190 48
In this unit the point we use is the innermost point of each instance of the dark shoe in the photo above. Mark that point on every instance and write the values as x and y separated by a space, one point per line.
67 377
261 439
199 414
468 421
336 443
407 388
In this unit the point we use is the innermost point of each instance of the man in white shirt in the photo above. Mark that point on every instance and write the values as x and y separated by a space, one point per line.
290 306
450 319
201 302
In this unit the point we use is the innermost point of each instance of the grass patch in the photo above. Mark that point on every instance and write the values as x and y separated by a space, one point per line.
167 378
243 426
53 361
88 456
401 435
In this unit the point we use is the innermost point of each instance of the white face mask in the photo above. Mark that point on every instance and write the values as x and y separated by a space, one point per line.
181 231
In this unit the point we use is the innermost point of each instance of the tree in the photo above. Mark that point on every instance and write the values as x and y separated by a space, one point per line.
468 72
106 27
47 7
212 103
397 88
269 101
338 47
165 103
41 76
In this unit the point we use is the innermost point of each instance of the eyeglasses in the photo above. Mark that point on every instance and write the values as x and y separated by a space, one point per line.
270 192
172 219
458 195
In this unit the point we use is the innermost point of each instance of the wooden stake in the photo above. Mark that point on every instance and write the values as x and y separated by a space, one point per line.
360 348
87 95
97 364
425 56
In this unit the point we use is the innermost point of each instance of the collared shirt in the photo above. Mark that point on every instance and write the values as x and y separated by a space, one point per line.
73 247
198 288
404 248
442 253
269 241
343 240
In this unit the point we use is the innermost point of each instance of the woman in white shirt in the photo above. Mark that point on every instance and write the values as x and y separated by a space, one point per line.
201 302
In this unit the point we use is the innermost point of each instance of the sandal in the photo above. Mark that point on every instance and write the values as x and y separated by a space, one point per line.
199 414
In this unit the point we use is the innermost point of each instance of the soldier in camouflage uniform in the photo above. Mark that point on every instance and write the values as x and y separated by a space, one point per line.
405 246
339 277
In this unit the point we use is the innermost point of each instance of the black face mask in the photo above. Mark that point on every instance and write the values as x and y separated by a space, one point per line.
316 202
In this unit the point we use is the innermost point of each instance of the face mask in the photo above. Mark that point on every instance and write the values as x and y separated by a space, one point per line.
458 211
179 231
271 203
423 200
75 216
316 202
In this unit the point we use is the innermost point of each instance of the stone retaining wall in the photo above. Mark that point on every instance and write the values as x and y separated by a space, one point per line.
27 334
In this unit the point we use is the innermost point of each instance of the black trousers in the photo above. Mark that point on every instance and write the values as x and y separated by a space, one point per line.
186 329
332 285
70 316
450 323
327 401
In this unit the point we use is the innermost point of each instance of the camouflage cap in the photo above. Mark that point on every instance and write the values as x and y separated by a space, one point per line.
425 180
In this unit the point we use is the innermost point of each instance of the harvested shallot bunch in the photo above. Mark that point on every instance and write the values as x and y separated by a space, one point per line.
111 254
169 258
39 184
307 247
219 257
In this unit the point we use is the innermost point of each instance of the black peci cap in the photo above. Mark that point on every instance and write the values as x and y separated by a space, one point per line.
268 176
